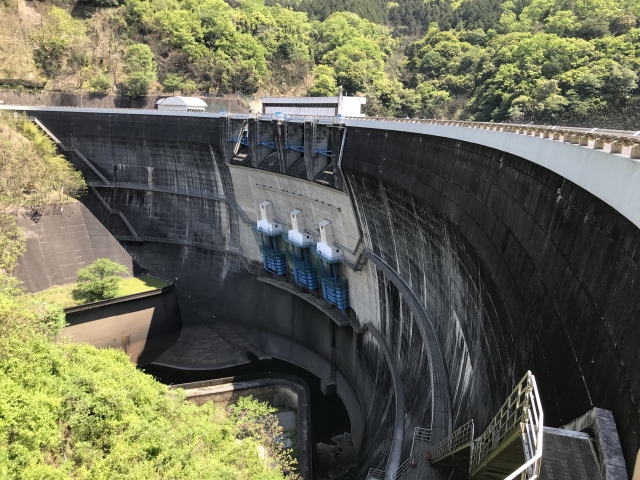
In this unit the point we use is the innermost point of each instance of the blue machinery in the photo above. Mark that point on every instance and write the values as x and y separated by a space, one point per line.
309 271
304 273
273 259
334 288
244 138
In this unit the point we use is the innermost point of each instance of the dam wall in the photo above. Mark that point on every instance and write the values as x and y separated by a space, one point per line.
467 265
189 208
143 325
518 268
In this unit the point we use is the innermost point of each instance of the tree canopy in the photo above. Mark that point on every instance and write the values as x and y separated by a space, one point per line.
99 280
541 60
69 410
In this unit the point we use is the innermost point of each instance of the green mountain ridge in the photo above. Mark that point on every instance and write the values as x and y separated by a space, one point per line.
493 60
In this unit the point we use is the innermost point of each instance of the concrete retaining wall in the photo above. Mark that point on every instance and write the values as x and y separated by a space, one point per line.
143 325
62 240
61 99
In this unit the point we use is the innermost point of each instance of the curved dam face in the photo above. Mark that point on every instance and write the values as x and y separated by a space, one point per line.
466 265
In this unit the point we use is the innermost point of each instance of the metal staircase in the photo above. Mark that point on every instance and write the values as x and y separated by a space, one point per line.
242 138
455 450
511 447
409 468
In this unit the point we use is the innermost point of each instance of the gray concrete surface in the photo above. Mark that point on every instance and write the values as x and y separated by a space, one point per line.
143 325
62 240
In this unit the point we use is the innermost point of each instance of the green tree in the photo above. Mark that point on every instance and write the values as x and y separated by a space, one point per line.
56 39
325 82
172 83
32 173
12 246
189 86
99 84
69 410
100 280
140 70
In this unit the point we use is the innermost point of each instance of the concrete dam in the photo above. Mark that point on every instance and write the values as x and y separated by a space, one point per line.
419 269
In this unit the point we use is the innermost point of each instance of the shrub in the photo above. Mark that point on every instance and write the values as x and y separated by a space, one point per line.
99 84
69 410
172 83
140 69
189 86
99 281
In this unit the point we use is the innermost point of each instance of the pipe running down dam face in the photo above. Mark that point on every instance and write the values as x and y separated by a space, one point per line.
464 262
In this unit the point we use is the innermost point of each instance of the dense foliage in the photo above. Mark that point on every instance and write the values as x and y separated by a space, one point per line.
71 411
539 60
32 175
519 74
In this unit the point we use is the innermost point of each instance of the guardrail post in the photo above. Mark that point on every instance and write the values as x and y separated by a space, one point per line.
598 144
556 135
635 151
616 146
584 140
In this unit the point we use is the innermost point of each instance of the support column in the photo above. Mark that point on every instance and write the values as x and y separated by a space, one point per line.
281 144
253 141
309 148
329 387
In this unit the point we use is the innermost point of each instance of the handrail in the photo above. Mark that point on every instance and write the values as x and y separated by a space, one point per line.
575 135
104 180
375 474
461 437
422 434
581 136
62 146
114 211
419 434
402 470
521 416
533 434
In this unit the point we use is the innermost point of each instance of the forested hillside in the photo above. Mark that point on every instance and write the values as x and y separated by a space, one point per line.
536 60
